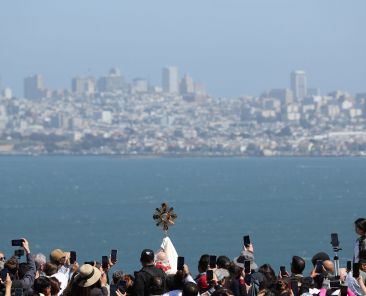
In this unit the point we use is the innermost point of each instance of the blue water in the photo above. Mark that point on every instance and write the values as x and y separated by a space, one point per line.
93 204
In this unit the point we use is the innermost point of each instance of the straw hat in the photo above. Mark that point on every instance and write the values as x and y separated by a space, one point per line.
88 275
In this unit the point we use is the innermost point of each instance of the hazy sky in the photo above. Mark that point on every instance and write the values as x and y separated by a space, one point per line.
233 46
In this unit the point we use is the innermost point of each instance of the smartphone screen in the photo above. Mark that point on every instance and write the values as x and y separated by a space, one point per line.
283 270
319 266
247 266
180 263
212 261
356 270
114 256
209 276
105 261
72 257
3 274
246 240
92 263
334 237
122 286
17 243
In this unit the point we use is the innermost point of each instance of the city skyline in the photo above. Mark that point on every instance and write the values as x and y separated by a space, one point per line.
235 48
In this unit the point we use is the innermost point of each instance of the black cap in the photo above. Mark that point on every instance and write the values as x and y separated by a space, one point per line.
147 255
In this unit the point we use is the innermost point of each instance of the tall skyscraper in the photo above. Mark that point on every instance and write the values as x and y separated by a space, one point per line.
170 79
34 87
83 85
299 85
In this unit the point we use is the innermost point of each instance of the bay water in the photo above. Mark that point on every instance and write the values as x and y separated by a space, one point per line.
289 206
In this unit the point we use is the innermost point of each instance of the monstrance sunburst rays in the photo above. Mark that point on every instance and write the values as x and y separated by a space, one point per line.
164 217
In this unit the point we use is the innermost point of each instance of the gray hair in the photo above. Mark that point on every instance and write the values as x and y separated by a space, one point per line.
40 260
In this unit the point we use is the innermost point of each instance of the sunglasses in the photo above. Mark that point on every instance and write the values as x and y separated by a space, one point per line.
2 258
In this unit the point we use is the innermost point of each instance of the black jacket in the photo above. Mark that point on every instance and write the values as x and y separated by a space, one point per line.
143 279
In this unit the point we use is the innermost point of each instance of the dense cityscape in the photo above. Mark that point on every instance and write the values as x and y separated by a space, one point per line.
109 116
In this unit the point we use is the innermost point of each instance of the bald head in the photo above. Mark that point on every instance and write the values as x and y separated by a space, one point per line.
329 266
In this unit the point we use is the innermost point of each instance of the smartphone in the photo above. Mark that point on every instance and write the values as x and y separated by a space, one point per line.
283 270
344 290
246 239
319 266
18 292
209 276
349 266
17 243
212 261
180 263
114 256
19 253
247 266
3 274
294 287
72 257
92 263
104 261
334 239
122 286
356 270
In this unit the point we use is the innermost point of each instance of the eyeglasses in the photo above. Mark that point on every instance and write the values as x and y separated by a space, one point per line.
2 258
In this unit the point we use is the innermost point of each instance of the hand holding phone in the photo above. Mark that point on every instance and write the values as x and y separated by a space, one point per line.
17 242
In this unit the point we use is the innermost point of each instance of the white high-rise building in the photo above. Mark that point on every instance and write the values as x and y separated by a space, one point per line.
170 80
299 85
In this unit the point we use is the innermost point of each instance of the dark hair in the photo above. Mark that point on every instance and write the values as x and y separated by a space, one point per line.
41 284
280 287
319 256
55 285
222 292
268 273
12 265
223 262
49 269
203 263
297 265
190 289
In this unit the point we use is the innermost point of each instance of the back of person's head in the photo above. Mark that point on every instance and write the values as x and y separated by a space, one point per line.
147 257
40 260
12 265
297 265
55 286
234 270
41 284
223 262
319 256
268 272
190 289
156 285
117 276
203 263
49 268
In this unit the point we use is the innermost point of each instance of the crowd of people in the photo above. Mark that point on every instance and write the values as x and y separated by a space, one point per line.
217 276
